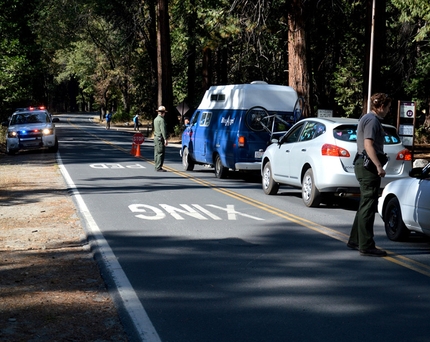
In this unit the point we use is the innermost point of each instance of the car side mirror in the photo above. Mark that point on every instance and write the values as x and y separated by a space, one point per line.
416 172
55 120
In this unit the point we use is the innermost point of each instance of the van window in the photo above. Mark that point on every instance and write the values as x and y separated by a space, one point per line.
194 119
218 97
205 119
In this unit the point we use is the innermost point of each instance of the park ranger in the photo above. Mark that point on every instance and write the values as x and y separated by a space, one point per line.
160 139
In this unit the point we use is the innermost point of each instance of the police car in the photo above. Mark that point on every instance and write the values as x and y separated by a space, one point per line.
31 128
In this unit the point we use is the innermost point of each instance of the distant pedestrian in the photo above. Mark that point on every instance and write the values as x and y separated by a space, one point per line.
136 122
160 139
368 168
108 119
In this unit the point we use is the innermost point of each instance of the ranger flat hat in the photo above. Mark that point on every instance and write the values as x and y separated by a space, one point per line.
161 109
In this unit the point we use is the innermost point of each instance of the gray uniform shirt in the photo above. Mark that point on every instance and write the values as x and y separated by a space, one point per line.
370 127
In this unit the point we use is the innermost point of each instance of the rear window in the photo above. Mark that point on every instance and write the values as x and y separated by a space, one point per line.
391 136
349 133
346 132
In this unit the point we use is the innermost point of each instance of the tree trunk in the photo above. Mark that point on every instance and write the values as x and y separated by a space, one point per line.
298 75
191 57
164 74
207 68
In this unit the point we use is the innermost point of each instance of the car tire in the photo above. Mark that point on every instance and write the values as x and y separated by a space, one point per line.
310 194
9 151
187 161
54 149
220 170
270 187
394 226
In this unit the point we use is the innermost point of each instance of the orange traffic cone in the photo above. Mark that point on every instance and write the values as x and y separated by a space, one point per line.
137 153
133 149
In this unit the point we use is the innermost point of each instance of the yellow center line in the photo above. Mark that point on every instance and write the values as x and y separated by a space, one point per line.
392 257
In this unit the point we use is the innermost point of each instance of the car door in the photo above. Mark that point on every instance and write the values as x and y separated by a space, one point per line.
422 205
299 151
282 157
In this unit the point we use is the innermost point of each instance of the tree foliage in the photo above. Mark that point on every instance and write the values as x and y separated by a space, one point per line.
90 54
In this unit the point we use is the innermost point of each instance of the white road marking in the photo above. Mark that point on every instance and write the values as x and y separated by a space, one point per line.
130 301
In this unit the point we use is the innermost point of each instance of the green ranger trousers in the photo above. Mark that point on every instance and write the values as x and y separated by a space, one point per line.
159 151
362 228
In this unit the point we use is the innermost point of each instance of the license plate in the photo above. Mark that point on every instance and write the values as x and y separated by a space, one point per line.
258 154
31 143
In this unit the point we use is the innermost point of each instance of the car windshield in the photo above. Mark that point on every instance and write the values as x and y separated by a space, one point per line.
349 133
26 118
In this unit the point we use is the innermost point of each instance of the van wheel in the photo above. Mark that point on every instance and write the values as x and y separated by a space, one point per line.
187 162
270 187
394 225
310 194
220 170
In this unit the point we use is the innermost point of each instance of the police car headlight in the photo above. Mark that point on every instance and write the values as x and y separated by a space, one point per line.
12 134
48 131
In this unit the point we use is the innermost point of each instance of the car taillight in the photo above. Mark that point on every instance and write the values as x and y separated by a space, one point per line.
334 151
404 155
241 141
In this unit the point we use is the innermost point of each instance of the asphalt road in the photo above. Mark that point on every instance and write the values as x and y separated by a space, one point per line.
192 258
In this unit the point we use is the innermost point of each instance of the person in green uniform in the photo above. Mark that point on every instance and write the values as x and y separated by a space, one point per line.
160 139
370 144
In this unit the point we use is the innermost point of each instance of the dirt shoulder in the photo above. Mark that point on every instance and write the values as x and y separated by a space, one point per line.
50 285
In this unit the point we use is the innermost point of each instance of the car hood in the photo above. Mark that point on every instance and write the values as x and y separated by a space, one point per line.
30 127
399 185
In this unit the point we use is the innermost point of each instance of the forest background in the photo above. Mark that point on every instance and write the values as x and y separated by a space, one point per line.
130 56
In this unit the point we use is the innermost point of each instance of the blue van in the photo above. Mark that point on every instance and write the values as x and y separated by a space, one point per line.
234 124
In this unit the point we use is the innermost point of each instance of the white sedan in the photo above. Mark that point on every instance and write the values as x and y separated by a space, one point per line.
317 155
405 205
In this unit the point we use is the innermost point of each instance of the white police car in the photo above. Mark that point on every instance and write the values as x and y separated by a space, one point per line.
31 128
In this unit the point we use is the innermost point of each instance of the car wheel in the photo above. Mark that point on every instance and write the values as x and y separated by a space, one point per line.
270 187
310 194
220 170
394 225
187 162
54 149
9 151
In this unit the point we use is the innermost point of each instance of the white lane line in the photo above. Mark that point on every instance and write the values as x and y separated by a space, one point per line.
131 302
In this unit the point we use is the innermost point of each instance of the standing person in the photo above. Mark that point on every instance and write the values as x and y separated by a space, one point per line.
370 142
108 119
136 122
160 139
186 123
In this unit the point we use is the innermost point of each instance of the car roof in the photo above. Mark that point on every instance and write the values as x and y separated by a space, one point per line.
332 120
31 111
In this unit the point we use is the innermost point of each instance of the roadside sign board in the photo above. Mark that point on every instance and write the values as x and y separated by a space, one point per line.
406 123
407 110
325 113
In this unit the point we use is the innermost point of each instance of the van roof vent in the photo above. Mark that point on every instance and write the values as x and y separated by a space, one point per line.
259 82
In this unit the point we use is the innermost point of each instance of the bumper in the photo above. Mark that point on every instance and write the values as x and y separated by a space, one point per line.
15 144
248 166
